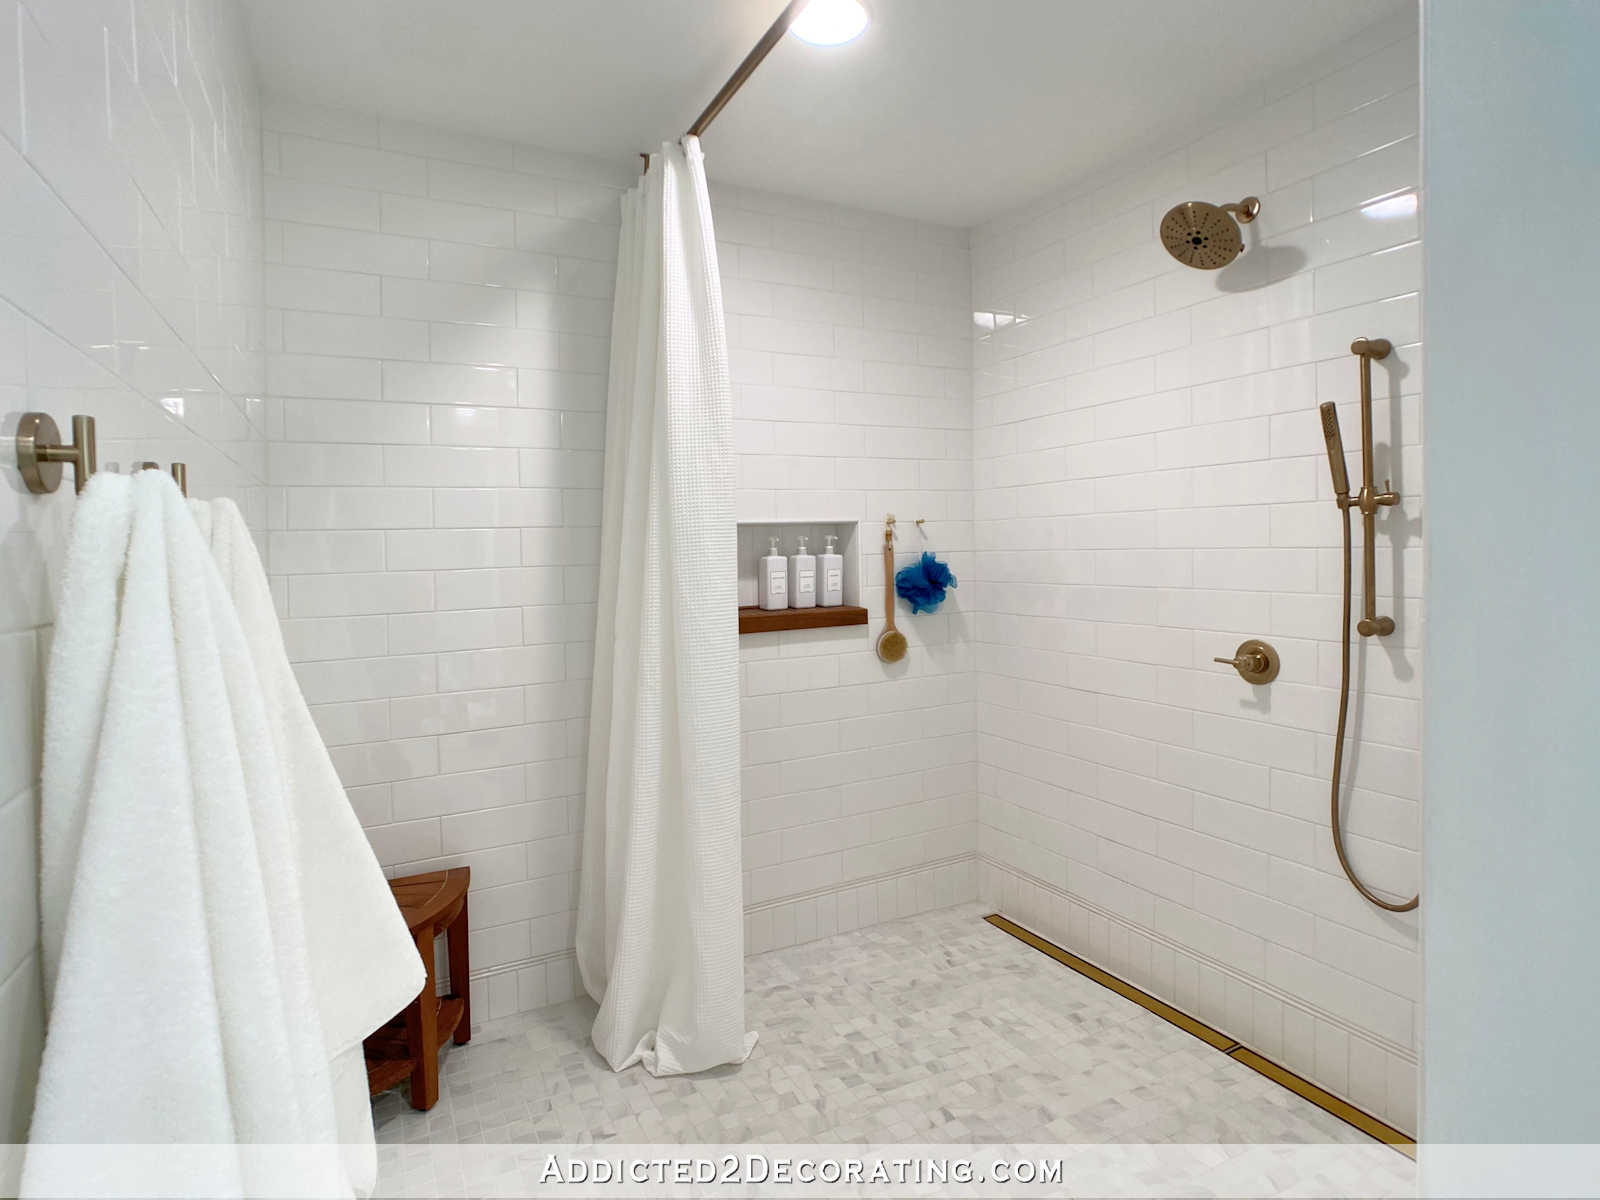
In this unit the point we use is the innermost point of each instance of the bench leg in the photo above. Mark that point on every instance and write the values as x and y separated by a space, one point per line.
422 1032
460 972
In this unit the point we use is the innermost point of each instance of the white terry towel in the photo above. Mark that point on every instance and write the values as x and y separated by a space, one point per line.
177 975
364 964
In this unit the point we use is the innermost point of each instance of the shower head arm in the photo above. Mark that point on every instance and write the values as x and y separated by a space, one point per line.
1245 211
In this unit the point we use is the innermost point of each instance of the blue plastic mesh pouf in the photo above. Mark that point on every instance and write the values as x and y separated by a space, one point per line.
923 583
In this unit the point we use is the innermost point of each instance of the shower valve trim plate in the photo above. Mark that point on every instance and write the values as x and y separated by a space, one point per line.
1255 660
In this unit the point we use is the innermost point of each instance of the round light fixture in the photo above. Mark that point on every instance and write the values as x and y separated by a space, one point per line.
830 22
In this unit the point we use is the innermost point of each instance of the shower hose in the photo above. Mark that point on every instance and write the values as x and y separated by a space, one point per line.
1338 744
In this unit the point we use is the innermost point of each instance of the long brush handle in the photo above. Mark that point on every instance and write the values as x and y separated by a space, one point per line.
888 583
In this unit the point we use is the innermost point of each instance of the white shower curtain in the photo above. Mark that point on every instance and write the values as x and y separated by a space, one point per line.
660 909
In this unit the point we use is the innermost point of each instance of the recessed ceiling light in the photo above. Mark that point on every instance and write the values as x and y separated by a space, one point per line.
830 22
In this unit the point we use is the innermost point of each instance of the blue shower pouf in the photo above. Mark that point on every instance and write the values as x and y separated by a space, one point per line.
923 583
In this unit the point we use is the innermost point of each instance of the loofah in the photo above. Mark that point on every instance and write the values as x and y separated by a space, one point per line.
923 583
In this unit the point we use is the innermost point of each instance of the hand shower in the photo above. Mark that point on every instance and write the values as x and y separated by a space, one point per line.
1330 434
1367 500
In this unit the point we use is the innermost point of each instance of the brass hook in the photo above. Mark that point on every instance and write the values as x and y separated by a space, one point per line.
40 452
888 528
180 473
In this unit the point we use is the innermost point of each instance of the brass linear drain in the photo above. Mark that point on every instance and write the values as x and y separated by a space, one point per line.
1304 1088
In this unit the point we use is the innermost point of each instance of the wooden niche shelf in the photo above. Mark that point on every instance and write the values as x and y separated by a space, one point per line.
762 620
754 539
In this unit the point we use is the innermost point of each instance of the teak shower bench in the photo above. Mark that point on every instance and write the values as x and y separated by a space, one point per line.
408 1046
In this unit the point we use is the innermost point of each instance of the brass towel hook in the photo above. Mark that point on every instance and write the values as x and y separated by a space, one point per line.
180 473
40 452
888 528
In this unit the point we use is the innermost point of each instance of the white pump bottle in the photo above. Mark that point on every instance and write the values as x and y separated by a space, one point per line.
773 578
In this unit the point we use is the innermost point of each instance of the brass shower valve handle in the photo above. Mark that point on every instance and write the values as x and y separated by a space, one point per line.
1255 661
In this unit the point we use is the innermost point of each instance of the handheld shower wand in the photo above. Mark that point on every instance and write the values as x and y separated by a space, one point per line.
1367 500
1330 434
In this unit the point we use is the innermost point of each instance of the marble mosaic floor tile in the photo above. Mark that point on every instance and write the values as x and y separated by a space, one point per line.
935 1028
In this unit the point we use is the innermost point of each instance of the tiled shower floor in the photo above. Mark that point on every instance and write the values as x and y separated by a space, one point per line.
936 1028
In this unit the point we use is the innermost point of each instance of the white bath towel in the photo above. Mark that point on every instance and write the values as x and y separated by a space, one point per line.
364 964
180 990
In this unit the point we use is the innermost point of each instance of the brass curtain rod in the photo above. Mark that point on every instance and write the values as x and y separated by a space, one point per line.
742 72
747 68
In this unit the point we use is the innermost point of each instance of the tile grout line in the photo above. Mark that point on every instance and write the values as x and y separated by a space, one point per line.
1240 1053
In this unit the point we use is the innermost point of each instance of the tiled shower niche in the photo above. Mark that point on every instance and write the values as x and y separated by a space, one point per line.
754 541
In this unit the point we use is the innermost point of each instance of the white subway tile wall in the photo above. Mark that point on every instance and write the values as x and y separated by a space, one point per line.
438 311
848 335
130 290
438 329
1151 488
1118 457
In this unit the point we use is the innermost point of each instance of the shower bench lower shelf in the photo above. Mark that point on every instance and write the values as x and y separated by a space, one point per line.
770 620
389 1059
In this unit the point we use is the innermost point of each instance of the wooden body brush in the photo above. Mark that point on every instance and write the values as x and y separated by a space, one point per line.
891 642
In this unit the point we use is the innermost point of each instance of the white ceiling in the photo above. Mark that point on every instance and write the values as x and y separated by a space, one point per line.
947 110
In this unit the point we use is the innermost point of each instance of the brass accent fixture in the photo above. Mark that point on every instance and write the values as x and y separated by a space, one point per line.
747 68
40 452
180 473
1204 235
741 73
1217 1040
1255 661
1368 501
889 525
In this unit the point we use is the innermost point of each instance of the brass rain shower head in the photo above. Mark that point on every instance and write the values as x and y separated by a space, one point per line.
1203 235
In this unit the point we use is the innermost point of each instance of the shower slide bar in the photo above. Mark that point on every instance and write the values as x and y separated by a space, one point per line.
41 453
1368 500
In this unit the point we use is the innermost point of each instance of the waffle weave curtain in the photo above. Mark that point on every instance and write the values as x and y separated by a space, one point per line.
660 941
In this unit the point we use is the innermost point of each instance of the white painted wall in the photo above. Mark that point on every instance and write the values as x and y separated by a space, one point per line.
130 289
1511 904
1151 488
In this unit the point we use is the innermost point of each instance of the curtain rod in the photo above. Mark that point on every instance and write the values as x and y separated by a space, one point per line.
748 67
741 74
